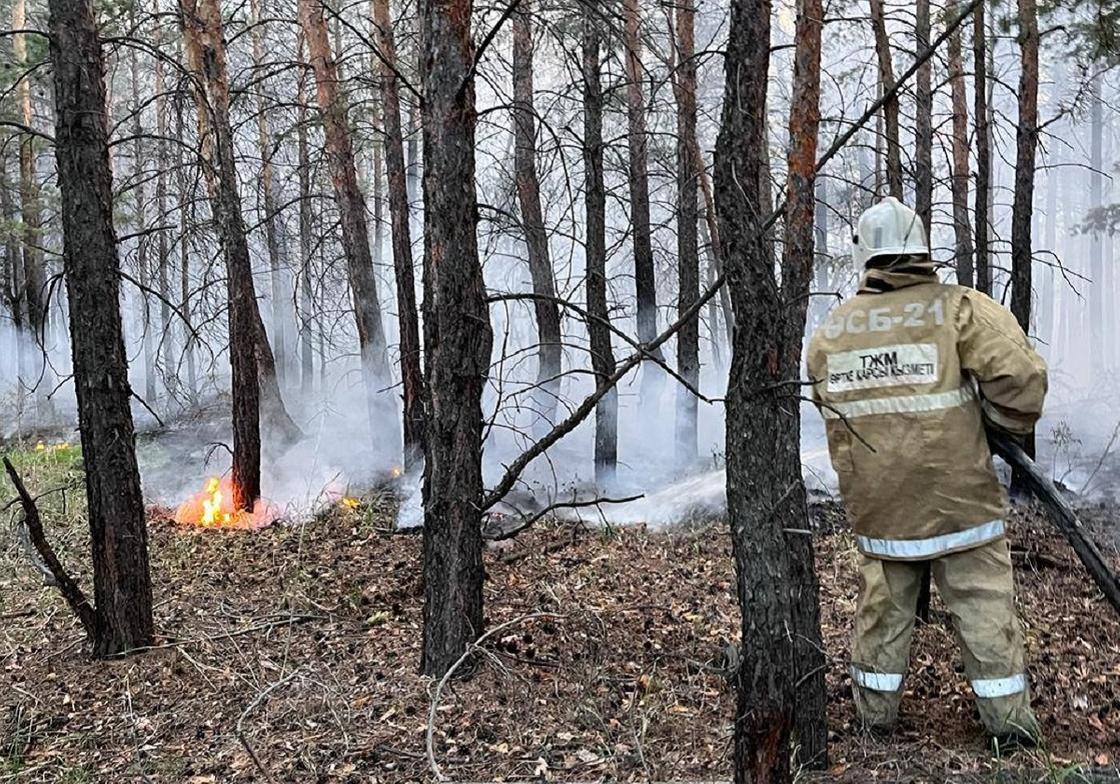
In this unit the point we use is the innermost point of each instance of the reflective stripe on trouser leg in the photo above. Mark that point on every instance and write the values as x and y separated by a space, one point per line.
978 589
888 595
877 681
990 688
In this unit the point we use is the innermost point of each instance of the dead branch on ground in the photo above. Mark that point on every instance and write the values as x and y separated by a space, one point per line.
473 648
259 699
69 587
497 534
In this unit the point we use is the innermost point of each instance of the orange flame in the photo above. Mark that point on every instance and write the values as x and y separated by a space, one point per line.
213 508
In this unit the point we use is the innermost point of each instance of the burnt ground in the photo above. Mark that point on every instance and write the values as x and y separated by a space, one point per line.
299 646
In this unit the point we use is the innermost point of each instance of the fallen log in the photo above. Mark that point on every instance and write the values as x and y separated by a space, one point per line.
1061 513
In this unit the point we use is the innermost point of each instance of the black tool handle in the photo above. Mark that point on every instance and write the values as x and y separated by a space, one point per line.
1061 512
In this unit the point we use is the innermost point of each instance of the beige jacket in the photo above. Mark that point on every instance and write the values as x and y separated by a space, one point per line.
904 374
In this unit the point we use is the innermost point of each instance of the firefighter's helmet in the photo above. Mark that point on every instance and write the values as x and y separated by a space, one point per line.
889 228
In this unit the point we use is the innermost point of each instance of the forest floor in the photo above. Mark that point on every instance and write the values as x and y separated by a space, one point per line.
294 650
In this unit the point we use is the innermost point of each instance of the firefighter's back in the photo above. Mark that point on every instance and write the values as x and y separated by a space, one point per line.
904 421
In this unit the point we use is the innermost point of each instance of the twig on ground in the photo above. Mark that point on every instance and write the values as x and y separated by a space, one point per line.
471 649
260 698
285 621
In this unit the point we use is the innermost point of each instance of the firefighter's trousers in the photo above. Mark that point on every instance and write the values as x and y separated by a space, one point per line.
977 587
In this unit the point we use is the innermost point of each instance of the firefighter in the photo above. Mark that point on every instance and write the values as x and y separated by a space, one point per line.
906 374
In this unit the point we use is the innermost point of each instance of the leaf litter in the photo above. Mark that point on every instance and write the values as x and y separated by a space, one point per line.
291 653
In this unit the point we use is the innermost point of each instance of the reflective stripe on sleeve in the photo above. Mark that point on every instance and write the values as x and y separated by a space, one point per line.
933 546
999 687
903 404
1000 420
877 681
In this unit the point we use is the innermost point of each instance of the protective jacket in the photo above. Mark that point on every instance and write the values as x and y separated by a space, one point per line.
904 374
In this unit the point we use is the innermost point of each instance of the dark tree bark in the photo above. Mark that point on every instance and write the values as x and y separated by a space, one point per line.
983 147
549 349
205 49
764 492
352 209
890 109
411 375
458 339
645 282
923 128
960 176
118 532
1022 208
595 206
688 253
810 692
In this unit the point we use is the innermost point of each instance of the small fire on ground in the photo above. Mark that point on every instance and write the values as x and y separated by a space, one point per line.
212 507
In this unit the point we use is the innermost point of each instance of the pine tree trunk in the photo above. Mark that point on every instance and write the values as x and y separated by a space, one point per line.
307 302
13 284
1096 243
118 531
890 108
186 224
273 227
923 129
458 340
645 281
1049 300
1022 208
140 227
822 256
205 49
377 186
709 231
595 207
960 175
983 148
714 334
399 217
549 349
763 485
414 167
163 244
810 692
34 273
352 209
688 255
